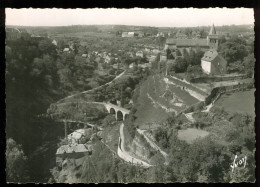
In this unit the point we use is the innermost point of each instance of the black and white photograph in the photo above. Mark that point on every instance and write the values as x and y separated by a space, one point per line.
138 95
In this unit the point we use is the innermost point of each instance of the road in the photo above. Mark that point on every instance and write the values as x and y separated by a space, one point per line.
122 153
84 92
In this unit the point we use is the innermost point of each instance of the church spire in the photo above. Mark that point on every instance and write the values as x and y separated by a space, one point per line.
212 30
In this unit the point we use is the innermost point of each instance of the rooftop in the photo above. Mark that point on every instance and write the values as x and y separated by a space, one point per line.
187 42
73 148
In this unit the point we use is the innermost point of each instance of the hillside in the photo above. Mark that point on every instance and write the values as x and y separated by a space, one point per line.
158 99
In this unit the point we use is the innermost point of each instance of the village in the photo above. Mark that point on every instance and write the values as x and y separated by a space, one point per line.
134 94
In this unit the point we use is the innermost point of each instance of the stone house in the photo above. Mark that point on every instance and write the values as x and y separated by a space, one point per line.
213 63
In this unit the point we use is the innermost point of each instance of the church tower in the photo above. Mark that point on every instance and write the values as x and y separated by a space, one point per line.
212 38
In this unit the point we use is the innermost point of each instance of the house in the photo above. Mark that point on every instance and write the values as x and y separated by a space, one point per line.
80 136
54 42
145 65
129 34
124 34
131 65
163 57
132 34
140 53
211 42
116 66
213 63
107 59
72 151
66 50
13 34
155 51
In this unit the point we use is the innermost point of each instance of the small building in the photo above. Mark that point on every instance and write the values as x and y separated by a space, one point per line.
107 59
145 65
131 66
116 66
84 55
163 57
80 136
66 49
213 63
72 151
54 42
140 53
155 51
124 34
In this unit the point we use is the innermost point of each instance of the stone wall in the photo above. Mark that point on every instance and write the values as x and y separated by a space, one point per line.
216 92
217 78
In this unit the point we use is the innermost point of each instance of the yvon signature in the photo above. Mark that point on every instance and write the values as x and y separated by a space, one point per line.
237 163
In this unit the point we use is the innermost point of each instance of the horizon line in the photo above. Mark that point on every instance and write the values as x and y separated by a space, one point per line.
125 25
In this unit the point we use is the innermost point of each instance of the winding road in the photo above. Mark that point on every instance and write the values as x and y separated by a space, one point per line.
122 153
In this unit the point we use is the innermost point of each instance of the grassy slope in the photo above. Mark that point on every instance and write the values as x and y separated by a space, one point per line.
155 88
240 102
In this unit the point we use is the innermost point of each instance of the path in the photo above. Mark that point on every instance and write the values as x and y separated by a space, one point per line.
84 92
74 121
122 153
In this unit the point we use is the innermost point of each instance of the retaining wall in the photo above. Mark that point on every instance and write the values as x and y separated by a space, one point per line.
215 93
217 79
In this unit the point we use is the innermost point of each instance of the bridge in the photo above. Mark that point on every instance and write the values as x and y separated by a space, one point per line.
117 110
120 112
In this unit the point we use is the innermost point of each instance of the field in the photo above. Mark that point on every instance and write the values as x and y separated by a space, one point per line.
190 134
158 100
240 102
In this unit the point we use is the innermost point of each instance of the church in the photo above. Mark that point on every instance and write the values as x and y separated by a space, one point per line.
212 62
204 44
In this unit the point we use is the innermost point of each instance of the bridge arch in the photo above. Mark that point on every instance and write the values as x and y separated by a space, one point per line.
112 111
119 116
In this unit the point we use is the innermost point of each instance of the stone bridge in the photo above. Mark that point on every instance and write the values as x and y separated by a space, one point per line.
120 112
117 110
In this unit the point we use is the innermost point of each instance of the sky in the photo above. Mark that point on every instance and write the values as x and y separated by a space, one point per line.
187 17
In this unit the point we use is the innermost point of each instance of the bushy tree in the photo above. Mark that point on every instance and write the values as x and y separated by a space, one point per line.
16 162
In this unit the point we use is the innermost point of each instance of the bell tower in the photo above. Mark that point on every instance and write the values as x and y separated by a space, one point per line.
212 38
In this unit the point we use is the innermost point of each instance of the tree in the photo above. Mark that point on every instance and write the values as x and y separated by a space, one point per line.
179 66
249 64
16 162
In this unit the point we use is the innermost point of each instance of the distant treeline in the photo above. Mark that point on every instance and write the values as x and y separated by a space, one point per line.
123 28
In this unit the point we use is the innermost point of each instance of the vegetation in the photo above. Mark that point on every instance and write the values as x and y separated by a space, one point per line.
16 166
40 73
